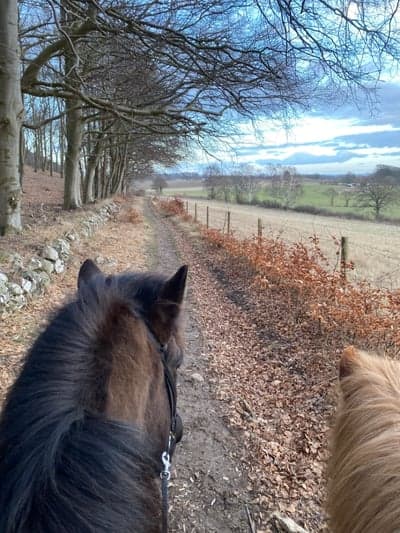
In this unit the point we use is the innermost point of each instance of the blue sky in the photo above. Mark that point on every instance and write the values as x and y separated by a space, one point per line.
326 141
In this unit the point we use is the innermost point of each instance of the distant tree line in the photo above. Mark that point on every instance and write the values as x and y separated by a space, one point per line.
284 186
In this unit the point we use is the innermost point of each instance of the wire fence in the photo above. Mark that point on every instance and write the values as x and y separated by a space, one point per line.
373 248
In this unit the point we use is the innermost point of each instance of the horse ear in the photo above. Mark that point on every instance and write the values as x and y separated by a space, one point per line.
346 366
166 309
87 271
174 288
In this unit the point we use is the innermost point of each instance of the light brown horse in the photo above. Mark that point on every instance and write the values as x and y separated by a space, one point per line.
93 411
364 469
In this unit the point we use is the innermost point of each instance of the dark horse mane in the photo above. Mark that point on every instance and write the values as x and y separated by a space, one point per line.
64 466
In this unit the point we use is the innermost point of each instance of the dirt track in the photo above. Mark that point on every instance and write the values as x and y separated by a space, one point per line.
209 488
274 384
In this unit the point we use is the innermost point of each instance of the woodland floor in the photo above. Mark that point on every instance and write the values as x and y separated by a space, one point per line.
255 398
42 216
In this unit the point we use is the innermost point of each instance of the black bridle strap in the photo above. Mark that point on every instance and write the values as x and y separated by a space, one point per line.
166 455
171 389
169 381
171 393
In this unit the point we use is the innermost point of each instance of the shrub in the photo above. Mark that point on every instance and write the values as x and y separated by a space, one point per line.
173 207
130 215
318 297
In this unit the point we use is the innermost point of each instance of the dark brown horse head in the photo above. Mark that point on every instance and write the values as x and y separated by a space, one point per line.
84 425
140 345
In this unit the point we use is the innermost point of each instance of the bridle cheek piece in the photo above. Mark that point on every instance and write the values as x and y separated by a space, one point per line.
173 437
175 430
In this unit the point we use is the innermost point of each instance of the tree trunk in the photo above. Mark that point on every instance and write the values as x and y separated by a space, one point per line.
73 126
44 149
121 162
103 176
61 141
11 114
21 162
97 181
51 149
93 161
72 177
377 209
107 172
36 162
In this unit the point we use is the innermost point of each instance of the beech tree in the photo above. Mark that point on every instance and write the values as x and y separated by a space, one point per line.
199 65
11 115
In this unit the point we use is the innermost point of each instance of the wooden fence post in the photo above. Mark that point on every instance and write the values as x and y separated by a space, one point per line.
207 217
229 222
259 231
343 256
187 207
195 212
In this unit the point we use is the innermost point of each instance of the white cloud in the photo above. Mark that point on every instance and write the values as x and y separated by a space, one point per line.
307 130
319 136
328 141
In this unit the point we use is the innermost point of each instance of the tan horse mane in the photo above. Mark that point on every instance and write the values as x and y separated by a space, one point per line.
364 469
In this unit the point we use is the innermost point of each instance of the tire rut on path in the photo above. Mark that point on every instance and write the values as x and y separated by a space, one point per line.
208 487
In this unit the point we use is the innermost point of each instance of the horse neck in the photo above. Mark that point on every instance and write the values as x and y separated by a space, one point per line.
136 390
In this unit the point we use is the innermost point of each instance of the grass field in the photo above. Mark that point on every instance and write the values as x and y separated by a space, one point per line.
373 247
314 194
189 188
190 192
317 194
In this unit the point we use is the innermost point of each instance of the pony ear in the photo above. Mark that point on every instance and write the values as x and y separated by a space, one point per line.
87 271
174 289
347 361
165 311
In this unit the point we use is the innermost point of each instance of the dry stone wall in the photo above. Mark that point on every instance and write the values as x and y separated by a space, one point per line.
29 276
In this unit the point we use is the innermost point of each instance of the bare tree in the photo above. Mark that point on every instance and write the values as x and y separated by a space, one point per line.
331 193
245 183
377 192
347 195
211 180
325 38
388 171
159 183
286 186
